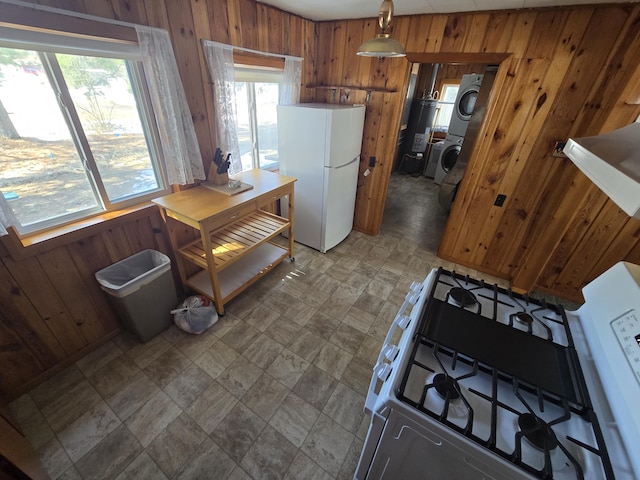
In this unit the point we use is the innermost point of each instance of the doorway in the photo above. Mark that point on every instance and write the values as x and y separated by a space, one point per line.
438 83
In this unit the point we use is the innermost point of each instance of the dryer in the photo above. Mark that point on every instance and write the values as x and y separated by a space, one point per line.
448 157
464 104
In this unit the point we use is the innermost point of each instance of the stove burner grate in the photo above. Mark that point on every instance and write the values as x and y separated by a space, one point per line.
446 386
462 297
538 432
515 361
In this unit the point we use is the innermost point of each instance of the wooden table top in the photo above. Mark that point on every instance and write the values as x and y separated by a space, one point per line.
199 203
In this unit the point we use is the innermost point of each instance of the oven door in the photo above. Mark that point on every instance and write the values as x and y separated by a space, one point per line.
409 450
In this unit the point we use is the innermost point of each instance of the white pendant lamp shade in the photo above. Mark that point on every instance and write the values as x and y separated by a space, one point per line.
382 45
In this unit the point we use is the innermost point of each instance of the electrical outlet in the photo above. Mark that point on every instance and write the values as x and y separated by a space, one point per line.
372 162
500 200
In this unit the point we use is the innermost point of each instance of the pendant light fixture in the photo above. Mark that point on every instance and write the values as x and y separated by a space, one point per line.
382 45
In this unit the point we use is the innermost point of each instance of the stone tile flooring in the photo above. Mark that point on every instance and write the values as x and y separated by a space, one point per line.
274 389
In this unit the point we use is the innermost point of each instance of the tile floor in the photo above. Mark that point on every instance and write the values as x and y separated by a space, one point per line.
274 389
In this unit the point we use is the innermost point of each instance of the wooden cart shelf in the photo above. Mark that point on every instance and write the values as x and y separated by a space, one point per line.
232 241
235 245
246 271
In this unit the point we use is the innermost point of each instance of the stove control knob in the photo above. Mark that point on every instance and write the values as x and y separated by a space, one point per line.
382 371
403 321
390 351
412 297
415 287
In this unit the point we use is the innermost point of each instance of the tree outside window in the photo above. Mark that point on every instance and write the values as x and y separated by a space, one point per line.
75 135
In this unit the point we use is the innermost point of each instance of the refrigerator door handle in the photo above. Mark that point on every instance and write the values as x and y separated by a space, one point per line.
355 159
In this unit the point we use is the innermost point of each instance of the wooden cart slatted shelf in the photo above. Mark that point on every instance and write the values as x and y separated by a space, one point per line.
234 240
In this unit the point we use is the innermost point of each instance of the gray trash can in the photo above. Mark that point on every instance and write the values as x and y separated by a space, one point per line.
142 291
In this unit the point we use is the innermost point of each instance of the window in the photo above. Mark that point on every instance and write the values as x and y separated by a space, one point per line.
449 92
76 135
257 95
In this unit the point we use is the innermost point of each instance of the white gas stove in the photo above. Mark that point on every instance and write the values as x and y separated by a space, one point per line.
475 381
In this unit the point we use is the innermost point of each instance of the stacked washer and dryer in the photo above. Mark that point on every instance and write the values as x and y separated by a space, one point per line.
445 153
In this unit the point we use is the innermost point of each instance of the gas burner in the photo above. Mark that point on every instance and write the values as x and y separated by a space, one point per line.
524 318
462 297
446 386
537 431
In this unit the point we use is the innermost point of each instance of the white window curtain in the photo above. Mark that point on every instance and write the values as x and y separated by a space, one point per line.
181 153
220 62
290 89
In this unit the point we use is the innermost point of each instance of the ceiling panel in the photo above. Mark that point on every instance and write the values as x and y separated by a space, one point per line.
343 9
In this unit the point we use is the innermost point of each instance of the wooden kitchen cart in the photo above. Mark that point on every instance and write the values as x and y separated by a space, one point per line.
223 243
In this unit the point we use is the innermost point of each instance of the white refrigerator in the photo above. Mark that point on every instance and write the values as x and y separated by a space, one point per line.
319 144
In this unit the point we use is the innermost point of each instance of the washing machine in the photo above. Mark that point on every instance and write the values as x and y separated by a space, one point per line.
464 104
448 157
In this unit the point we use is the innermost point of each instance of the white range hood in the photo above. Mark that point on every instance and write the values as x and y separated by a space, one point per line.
611 161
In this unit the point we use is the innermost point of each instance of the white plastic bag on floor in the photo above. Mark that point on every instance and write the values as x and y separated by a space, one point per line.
195 314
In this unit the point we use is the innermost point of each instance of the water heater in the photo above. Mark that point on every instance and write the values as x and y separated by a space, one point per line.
423 112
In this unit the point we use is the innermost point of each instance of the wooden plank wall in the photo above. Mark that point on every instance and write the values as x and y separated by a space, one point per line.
570 72
51 308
